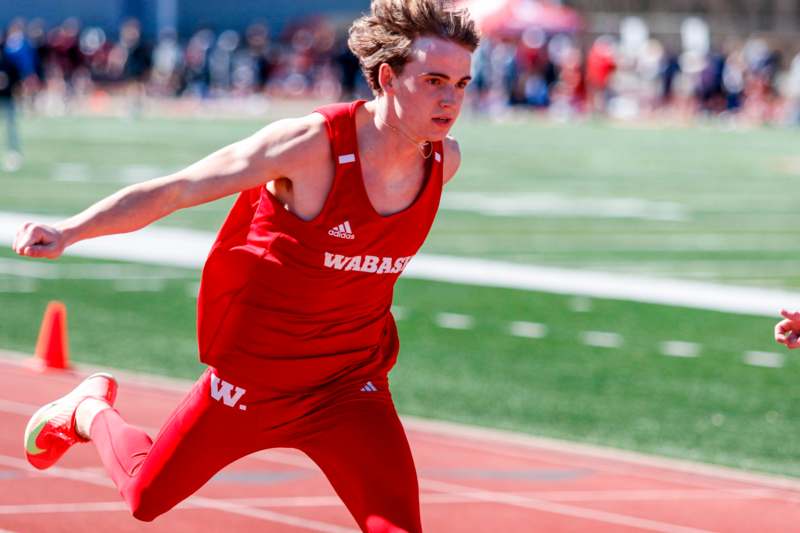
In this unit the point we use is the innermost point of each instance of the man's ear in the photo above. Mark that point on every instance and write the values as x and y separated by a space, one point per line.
385 77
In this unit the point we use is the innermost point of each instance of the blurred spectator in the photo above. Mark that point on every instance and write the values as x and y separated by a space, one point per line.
64 51
9 81
648 69
18 50
167 65
253 63
600 66
570 90
481 74
130 61
37 37
710 91
220 62
138 55
670 68
733 78
196 74
349 71
793 91
95 51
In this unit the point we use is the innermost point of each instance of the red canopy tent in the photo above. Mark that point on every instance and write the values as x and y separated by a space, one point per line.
510 18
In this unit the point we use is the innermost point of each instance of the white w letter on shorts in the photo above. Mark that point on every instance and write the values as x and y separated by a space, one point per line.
224 391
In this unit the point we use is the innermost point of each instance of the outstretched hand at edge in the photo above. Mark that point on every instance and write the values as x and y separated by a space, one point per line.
787 331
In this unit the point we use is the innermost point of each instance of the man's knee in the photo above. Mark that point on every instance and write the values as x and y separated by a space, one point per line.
379 524
146 505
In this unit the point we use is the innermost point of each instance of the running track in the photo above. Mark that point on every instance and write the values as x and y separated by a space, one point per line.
471 480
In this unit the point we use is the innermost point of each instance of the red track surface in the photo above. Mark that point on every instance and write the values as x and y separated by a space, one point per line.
471 480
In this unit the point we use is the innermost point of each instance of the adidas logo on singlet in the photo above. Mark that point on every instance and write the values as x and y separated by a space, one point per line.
342 231
369 387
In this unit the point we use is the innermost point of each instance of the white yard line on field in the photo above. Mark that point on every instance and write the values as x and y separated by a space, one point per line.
454 321
530 330
765 359
188 249
680 349
602 339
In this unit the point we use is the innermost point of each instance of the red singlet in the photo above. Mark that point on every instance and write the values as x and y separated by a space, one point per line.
296 305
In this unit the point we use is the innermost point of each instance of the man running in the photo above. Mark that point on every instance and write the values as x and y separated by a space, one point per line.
294 317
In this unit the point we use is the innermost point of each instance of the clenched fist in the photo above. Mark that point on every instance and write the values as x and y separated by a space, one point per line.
39 240
787 331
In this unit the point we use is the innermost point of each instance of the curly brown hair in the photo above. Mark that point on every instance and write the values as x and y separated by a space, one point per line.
388 32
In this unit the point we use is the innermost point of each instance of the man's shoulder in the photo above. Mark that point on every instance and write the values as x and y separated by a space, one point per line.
304 137
451 146
309 127
452 157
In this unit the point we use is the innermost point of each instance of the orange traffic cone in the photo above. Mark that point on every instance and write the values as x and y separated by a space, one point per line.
52 351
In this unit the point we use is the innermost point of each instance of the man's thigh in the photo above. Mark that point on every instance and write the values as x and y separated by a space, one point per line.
360 445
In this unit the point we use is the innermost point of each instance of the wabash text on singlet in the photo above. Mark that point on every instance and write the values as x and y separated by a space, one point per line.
293 305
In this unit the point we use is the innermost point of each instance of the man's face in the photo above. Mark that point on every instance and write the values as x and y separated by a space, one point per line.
430 90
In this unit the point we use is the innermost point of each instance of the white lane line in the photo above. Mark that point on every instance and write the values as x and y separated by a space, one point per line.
561 205
601 339
18 285
17 408
435 430
139 285
189 249
272 516
765 359
618 462
557 508
197 501
75 172
72 507
333 501
137 173
520 500
454 321
676 469
259 502
680 349
426 498
655 495
529 330
26 269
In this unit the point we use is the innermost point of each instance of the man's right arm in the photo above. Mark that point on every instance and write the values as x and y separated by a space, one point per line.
277 150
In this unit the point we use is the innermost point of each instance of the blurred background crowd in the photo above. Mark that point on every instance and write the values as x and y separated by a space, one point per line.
72 62
536 55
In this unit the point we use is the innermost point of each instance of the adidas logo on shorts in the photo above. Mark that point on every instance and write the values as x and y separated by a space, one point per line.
342 231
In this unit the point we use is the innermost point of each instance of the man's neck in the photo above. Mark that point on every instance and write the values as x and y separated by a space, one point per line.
384 133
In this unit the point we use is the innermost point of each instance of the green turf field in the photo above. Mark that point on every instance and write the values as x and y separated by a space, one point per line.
701 203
